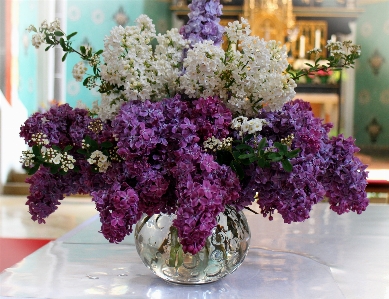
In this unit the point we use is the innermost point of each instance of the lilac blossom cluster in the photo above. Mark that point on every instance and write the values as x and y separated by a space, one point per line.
163 167
323 167
345 178
171 173
63 126
203 22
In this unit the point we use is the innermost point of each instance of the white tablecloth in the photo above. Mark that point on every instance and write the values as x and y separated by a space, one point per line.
327 256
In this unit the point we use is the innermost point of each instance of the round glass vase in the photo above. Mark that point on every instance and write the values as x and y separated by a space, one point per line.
158 246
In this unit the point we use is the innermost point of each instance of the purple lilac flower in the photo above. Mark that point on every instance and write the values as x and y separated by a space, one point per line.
317 170
62 124
165 170
159 145
345 178
203 22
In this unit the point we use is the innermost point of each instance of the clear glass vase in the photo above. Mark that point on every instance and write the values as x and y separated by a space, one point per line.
157 245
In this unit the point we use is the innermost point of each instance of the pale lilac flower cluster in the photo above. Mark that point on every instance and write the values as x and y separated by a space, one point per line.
203 24
135 69
245 80
323 167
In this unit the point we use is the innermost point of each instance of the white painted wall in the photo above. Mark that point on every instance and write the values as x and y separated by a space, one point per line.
11 145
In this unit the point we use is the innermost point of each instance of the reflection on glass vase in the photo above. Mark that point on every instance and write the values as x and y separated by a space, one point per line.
157 244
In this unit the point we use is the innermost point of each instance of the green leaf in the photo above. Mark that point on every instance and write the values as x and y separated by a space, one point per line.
36 150
245 156
287 165
236 154
261 162
67 148
99 52
54 169
34 169
106 144
63 44
58 33
282 148
71 35
274 157
292 154
82 151
48 40
247 137
57 148
85 82
262 143
243 146
82 49
47 48
253 159
64 57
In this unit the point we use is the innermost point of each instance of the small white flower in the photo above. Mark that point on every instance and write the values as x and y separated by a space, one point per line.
79 71
57 159
37 40
44 25
55 25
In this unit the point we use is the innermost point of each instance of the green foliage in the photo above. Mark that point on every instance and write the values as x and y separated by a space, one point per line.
243 154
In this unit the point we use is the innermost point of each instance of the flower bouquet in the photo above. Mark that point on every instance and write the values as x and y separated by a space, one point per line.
188 128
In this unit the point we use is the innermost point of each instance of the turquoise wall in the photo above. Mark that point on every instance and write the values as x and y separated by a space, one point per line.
93 20
371 118
28 14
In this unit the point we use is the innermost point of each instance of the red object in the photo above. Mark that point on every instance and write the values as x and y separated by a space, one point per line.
14 250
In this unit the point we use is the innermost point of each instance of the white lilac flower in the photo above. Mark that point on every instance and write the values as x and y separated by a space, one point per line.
79 71
44 25
215 144
57 159
37 40
27 158
245 81
243 125
100 160
67 162
31 28
40 139
55 25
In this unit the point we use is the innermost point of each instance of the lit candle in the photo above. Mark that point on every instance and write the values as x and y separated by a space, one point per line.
302 46
317 38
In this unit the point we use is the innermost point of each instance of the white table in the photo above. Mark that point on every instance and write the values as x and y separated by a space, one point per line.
327 256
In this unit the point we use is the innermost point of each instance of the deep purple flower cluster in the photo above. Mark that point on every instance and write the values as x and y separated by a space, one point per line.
322 167
203 22
168 170
345 178
164 169
63 125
